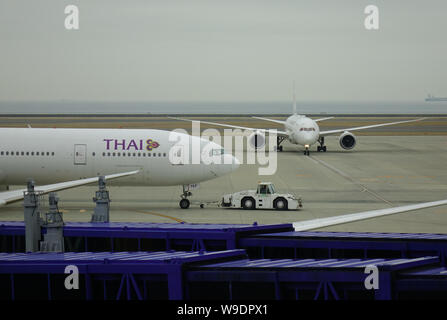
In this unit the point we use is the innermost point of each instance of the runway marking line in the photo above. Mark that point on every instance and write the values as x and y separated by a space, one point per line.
344 175
161 215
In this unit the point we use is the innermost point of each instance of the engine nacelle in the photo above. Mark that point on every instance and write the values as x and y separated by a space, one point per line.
347 140
256 140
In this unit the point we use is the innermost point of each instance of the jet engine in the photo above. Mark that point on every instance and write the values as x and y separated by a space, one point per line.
347 140
257 140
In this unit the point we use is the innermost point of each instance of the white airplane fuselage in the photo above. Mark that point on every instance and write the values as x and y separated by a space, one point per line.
55 155
302 130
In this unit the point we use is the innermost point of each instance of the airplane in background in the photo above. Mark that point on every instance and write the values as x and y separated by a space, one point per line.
302 130
67 158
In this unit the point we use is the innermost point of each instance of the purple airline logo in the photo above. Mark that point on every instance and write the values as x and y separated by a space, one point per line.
117 144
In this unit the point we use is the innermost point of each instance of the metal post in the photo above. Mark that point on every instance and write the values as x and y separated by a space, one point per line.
102 200
175 283
54 223
31 210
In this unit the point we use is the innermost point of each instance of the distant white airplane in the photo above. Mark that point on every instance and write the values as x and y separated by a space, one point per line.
302 130
66 158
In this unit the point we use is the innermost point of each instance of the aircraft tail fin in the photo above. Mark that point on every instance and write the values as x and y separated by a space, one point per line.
294 99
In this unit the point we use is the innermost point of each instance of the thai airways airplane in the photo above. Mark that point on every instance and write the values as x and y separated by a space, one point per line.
66 158
302 130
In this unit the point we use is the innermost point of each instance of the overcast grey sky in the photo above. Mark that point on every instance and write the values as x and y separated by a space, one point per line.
208 50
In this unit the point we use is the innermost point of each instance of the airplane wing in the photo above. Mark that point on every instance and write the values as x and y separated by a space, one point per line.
283 122
278 132
15 195
332 221
325 133
271 120
322 119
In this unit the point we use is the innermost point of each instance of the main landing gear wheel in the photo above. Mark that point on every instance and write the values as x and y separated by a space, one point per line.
279 140
321 147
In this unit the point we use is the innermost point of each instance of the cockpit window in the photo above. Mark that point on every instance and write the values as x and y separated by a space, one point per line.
217 152
307 129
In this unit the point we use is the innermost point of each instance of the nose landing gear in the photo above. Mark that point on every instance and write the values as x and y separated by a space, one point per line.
306 151
185 203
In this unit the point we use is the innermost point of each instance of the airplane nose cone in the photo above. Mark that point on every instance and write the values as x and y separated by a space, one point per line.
308 138
305 138
228 165
231 162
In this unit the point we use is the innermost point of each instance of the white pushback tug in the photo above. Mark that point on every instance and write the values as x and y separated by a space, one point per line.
265 197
